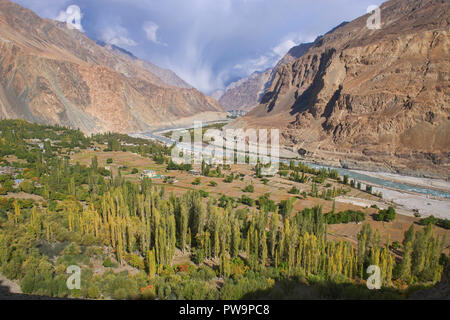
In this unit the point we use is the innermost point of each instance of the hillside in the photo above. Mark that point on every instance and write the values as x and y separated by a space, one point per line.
245 93
248 92
167 76
51 74
72 200
375 99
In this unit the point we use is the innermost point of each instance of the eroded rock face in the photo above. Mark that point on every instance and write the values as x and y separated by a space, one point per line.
248 92
51 74
374 96
245 93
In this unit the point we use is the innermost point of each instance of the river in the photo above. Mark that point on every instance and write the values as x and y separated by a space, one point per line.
419 197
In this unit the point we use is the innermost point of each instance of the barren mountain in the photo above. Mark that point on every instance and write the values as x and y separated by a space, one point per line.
247 92
295 53
369 98
167 76
51 74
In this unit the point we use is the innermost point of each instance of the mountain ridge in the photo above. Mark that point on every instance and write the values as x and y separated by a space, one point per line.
169 77
51 74
247 92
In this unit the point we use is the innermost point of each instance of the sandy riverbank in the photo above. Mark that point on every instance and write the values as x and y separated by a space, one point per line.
436 184
405 203
426 205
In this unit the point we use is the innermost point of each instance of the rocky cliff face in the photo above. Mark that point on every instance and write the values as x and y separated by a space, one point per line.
51 74
361 97
248 92
295 53
245 93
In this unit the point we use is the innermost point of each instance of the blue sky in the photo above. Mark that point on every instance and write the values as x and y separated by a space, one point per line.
207 42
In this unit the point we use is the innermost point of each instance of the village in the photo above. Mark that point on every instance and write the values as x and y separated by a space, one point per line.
135 168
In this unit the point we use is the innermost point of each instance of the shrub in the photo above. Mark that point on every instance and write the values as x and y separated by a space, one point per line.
93 251
109 160
396 245
120 294
250 188
203 194
443 223
148 292
294 190
386 215
266 204
135 261
199 256
93 292
27 186
182 167
229 179
107 263
345 217
427 221
247 201
283 173
72 249
224 201
286 207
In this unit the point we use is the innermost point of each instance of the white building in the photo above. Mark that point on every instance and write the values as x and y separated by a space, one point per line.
148 173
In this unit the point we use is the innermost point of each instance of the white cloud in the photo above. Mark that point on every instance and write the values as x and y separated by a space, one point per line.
198 72
281 49
117 35
271 58
151 30
72 16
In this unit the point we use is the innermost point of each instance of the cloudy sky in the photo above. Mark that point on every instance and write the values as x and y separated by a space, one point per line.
208 43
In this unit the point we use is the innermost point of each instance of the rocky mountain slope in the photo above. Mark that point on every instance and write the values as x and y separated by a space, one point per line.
375 99
248 92
167 76
51 74
245 93
293 54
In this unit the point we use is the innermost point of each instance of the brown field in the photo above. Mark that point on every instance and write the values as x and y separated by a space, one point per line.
12 158
23 196
127 159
